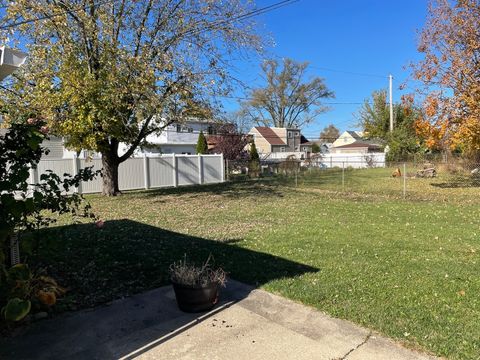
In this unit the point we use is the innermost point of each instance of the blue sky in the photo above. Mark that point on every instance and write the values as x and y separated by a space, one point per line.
369 37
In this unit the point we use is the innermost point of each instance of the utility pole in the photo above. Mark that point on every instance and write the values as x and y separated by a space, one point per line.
390 78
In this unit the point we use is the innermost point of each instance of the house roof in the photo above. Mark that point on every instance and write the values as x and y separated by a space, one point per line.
354 134
270 135
304 141
359 144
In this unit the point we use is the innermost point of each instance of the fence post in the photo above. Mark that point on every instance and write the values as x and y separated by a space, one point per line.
200 169
296 175
404 181
223 167
227 168
146 171
33 178
175 170
343 175
76 169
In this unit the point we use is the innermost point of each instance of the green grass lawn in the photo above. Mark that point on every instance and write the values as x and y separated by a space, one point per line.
406 268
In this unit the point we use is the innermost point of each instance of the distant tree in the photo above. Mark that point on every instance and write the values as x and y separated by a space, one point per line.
253 152
374 119
202 146
230 142
287 100
329 134
374 116
254 163
242 123
450 71
315 148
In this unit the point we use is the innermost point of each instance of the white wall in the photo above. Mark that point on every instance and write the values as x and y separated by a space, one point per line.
354 160
171 136
172 149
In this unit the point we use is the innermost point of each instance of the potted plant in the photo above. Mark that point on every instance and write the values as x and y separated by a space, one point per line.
196 287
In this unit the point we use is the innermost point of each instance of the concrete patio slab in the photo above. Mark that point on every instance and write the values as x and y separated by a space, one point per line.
247 324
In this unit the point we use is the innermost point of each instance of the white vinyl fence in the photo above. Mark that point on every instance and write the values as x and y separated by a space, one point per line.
353 160
142 173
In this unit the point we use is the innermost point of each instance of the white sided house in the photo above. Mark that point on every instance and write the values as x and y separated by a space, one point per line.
348 137
177 138
360 147
56 148
352 142
275 143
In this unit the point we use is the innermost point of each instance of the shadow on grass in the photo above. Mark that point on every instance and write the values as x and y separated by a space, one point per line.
264 187
458 183
124 258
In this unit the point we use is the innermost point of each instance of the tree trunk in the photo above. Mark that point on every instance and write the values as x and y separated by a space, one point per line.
110 164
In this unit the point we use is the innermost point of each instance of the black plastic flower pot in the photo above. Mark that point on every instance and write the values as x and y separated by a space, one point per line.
196 298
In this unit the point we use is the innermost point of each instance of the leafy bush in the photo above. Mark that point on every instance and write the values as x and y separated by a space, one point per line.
20 289
25 206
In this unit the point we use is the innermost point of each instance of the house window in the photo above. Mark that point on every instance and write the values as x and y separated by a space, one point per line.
290 134
297 134
304 148
282 149
184 128
211 130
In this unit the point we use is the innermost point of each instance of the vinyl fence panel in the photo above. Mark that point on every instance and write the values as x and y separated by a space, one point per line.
141 173
95 185
57 166
162 171
130 174
212 169
354 160
188 170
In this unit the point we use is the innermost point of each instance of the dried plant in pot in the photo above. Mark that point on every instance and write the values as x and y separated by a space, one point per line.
196 287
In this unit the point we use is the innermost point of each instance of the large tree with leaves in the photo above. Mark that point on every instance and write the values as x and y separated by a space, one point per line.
288 99
374 119
450 71
106 72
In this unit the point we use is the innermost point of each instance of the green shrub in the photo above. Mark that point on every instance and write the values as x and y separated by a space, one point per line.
202 146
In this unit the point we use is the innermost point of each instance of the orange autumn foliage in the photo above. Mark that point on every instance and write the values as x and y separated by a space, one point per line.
450 71
432 135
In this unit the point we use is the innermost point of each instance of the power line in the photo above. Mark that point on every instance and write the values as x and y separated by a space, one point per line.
250 14
51 16
326 103
245 16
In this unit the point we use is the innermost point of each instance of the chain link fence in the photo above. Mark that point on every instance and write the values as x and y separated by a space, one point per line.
421 178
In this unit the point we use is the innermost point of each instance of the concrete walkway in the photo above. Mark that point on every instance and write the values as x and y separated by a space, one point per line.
247 324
